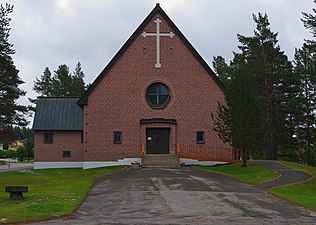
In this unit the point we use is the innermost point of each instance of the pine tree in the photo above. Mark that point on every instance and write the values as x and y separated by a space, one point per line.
221 68
11 113
272 70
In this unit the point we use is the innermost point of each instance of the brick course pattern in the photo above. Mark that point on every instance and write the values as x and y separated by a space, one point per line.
62 141
118 102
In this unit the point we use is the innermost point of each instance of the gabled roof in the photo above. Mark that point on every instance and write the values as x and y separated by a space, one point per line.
157 10
58 113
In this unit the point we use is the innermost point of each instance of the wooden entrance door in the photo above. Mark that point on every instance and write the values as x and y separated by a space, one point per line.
157 140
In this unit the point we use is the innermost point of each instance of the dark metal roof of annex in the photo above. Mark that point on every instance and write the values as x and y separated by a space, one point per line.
58 113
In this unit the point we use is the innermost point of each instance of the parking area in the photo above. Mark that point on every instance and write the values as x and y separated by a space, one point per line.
181 196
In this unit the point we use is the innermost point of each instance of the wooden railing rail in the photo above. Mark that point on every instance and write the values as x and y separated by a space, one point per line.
207 153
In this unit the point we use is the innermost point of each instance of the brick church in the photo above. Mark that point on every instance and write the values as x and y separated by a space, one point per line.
154 98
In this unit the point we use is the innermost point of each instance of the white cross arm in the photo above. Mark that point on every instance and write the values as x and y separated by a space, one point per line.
170 34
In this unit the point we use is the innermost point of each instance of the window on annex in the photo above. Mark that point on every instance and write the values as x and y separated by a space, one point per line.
66 153
200 137
158 95
117 137
48 138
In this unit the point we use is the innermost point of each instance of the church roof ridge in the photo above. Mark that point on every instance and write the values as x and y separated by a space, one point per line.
157 10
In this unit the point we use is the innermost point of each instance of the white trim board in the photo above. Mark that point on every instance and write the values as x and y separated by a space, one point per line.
84 165
51 165
121 162
200 163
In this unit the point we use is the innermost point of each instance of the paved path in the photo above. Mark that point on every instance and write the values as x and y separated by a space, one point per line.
181 196
16 166
288 175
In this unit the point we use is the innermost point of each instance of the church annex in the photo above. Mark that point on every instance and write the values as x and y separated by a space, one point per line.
155 97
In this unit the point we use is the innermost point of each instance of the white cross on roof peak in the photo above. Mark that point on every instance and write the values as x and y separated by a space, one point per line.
158 35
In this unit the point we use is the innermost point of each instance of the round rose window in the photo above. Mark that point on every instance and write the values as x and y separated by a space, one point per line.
158 95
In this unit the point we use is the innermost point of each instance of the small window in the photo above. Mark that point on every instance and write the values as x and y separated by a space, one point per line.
48 138
117 137
66 153
200 137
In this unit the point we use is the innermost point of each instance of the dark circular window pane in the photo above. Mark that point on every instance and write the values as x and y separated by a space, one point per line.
158 95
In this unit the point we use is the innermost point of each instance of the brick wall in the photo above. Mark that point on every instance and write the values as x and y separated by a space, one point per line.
62 141
118 103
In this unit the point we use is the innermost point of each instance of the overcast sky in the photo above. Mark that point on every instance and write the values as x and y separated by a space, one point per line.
47 33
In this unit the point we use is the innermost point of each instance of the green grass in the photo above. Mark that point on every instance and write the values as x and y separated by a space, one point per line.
304 193
2 162
52 192
26 161
252 174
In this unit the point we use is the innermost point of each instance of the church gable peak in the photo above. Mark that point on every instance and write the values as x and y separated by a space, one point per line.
158 18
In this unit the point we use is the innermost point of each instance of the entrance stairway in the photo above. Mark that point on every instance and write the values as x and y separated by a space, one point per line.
161 160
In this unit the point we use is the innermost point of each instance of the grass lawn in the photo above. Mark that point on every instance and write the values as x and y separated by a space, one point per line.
52 192
252 174
2 162
303 193
26 161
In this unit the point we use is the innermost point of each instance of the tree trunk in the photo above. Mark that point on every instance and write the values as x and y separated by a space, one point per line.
244 157
271 123
308 115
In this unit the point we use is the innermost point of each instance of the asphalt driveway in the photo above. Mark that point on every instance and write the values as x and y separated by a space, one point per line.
287 175
181 196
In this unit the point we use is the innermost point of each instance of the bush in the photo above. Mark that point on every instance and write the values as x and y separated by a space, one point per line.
26 151
288 154
7 153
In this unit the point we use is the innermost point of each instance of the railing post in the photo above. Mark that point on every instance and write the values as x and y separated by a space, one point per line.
178 150
143 152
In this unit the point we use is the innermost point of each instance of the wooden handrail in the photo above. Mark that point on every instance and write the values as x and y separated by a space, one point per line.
143 152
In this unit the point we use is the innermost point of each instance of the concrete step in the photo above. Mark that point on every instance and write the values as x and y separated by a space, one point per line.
161 160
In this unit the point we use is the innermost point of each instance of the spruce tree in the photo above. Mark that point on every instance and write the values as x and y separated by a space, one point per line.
61 84
62 81
240 119
11 113
43 86
78 85
305 68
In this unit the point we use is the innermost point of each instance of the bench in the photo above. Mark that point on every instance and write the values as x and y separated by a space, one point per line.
16 192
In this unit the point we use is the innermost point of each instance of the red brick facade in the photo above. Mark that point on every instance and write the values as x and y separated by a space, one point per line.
62 141
118 102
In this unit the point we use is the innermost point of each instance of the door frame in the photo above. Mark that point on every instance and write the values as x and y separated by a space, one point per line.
167 146
159 123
